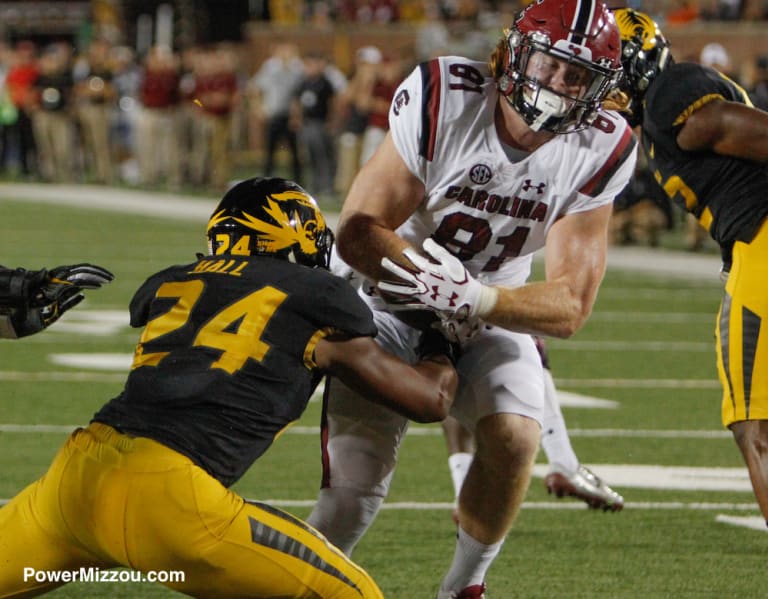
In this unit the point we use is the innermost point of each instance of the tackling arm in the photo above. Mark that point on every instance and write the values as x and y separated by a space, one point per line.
423 392
728 128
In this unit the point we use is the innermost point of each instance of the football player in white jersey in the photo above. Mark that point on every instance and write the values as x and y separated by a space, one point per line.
484 164
566 476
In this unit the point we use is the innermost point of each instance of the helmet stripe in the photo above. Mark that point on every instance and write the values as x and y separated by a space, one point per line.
582 21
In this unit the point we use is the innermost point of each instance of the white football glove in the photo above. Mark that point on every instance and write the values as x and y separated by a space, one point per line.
443 285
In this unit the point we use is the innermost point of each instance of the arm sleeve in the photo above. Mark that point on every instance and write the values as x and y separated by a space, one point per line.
405 123
142 299
341 309
695 86
612 177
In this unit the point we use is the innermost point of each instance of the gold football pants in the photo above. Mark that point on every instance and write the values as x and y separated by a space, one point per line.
742 341
112 500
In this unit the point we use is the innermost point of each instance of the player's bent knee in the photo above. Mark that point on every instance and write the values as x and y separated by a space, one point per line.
508 436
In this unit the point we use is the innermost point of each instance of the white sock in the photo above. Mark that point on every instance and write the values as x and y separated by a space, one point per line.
343 515
470 562
554 434
458 464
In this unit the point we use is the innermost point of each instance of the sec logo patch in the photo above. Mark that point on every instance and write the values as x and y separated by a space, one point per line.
480 174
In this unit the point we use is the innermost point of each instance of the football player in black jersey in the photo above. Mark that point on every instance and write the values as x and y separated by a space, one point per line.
233 346
32 300
708 148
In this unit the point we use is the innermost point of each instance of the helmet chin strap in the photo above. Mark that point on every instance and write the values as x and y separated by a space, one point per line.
547 104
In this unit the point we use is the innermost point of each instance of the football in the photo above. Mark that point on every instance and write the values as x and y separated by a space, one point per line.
413 317
418 319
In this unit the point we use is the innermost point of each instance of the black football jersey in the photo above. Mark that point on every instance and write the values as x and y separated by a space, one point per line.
225 360
727 195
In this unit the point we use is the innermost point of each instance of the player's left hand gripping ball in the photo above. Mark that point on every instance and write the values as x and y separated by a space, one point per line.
441 284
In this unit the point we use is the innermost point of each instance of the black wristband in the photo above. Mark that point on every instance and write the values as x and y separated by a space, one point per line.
18 285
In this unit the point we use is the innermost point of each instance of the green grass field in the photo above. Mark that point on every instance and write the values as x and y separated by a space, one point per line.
648 347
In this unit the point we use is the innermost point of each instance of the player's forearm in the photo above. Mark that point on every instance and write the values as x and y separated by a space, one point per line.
548 308
423 392
744 134
437 396
362 242
727 128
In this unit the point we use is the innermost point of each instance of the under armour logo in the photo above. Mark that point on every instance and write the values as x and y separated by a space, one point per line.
539 187
436 293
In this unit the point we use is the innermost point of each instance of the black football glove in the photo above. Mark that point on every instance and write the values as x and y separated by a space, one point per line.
432 342
31 301
85 276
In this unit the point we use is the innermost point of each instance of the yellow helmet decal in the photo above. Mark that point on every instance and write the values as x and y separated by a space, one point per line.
215 220
636 24
288 231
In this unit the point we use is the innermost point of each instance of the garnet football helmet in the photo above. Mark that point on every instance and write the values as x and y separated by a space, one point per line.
644 54
575 42
270 217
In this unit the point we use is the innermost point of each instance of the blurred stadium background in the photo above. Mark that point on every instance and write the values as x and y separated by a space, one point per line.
137 88
641 395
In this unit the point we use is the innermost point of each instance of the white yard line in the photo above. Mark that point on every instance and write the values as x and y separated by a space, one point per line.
99 377
652 317
110 199
648 433
646 346
424 431
653 261
60 377
752 522
565 504
640 383
681 295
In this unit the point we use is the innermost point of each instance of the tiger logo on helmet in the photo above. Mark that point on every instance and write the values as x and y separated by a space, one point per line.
270 217
636 25
644 54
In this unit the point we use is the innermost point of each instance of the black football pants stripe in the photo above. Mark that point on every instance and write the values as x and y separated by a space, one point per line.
725 338
750 331
750 325
265 535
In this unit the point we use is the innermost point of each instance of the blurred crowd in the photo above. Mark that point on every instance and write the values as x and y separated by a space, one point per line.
176 120
101 116
321 12
677 12
195 120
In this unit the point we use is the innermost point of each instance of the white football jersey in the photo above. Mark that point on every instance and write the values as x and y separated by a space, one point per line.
490 210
